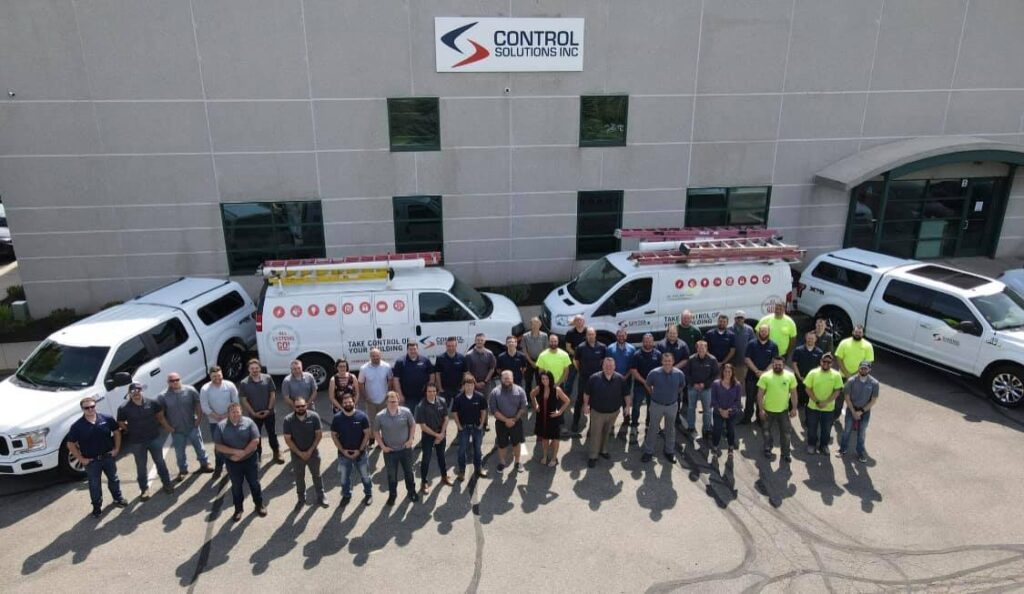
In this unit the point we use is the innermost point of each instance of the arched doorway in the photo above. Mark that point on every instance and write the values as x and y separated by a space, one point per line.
928 197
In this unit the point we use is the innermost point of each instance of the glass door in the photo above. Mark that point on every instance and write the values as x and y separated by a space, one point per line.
978 219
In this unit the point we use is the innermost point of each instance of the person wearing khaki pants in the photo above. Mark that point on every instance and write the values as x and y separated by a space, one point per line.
605 393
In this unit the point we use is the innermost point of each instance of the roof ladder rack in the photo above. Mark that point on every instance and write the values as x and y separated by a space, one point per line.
707 251
376 267
691 233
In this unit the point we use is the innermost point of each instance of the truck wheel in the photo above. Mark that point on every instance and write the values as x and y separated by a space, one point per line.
321 367
67 464
232 361
495 348
1005 384
606 337
841 325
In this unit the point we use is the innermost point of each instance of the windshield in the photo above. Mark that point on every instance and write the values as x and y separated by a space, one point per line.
595 281
1003 310
478 303
55 365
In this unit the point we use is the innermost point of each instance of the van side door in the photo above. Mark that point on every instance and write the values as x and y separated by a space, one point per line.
134 357
357 327
439 316
631 307
177 350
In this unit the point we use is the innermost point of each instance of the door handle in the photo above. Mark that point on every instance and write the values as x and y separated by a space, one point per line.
154 372
925 326
418 330
877 310
244 320
100 398
193 350
379 333
649 312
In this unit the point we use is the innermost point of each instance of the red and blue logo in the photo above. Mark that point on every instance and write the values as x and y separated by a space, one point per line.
479 52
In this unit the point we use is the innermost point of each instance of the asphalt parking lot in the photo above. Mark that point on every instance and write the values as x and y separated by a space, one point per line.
937 508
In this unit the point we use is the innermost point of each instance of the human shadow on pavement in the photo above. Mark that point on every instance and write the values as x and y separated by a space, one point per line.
397 523
283 540
537 490
859 483
496 499
821 477
772 483
334 535
722 480
24 496
89 532
217 550
656 492
597 485
204 493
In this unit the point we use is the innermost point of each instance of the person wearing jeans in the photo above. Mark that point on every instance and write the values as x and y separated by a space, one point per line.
396 429
236 438
183 413
258 394
645 359
727 406
861 395
350 430
701 370
95 440
215 397
470 413
141 418
823 385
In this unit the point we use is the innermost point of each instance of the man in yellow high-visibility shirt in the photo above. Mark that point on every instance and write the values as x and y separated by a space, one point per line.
823 385
852 350
781 329
776 397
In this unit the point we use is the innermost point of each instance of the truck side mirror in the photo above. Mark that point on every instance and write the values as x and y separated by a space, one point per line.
969 327
121 378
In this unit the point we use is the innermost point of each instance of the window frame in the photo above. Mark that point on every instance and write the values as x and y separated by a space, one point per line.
923 304
452 300
609 307
849 273
314 244
435 145
180 332
409 247
728 210
582 216
147 348
219 313
596 143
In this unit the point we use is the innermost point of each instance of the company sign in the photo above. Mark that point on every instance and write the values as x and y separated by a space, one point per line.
508 45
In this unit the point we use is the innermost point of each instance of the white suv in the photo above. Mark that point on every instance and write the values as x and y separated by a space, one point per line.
960 322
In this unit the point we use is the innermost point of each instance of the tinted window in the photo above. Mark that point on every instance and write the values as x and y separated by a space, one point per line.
439 307
169 336
908 296
949 276
414 124
258 231
595 281
950 310
603 120
841 276
713 207
419 225
598 215
57 365
129 357
631 295
221 308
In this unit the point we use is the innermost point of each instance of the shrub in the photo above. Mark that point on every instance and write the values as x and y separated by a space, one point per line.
517 293
63 315
7 321
15 293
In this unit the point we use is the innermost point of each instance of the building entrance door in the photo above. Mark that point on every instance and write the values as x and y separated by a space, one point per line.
978 219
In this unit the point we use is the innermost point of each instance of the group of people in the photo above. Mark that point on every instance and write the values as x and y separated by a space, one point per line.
732 372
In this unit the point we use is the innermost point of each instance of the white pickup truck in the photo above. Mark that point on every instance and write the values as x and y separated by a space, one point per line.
953 320
186 327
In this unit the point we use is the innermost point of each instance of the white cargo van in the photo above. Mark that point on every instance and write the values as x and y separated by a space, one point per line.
319 310
186 327
707 271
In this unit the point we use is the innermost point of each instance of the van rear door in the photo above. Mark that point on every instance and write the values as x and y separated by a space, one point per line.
392 321
357 327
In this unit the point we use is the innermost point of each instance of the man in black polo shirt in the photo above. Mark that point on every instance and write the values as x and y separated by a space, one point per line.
141 418
760 353
95 440
302 432
411 375
350 431
449 367
589 357
606 393
573 337
806 358
513 360
432 416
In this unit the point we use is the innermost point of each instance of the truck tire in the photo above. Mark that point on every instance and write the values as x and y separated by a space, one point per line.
842 326
321 367
232 361
606 337
67 464
1004 383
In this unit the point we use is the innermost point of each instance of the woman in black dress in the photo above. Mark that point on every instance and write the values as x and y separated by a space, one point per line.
549 402
342 383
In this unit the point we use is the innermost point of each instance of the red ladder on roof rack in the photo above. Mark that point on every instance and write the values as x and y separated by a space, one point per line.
429 258
690 233
721 250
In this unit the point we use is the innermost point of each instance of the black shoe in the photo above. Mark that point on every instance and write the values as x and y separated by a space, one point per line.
515 467
646 458
96 511
606 455
500 467
390 501
345 500
768 454
368 500
300 503
217 472
120 502
323 503
413 496
592 462
743 422
787 458
671 458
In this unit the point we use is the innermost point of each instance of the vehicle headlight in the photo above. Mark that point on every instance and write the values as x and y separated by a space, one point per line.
29 441
564 319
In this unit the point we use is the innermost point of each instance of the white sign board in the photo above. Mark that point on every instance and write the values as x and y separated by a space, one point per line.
508 45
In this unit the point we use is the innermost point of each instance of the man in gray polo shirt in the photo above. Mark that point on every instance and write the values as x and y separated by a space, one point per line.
375 377
861 395
184 413
534 342
236 438
214 398
299 384
258 394
508 405
396 429
302 432
665 383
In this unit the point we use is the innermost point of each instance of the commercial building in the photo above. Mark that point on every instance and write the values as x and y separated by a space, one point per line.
142 140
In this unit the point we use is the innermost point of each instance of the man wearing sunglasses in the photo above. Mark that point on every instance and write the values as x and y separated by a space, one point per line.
141 419
184 413
302 433
95 440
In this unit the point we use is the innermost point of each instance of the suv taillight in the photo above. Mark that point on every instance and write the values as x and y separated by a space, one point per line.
800 289
259 321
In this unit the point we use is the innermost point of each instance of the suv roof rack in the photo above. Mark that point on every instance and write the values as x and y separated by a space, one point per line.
372 267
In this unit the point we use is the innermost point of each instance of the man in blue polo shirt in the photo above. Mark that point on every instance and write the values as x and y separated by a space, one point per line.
759 355
350 431
512 360
449 367
665 382
411 375
646 359
95 440
589 355
722 341
622 352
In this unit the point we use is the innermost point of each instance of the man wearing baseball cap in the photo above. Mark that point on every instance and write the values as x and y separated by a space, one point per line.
142 418
743 335
860 394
